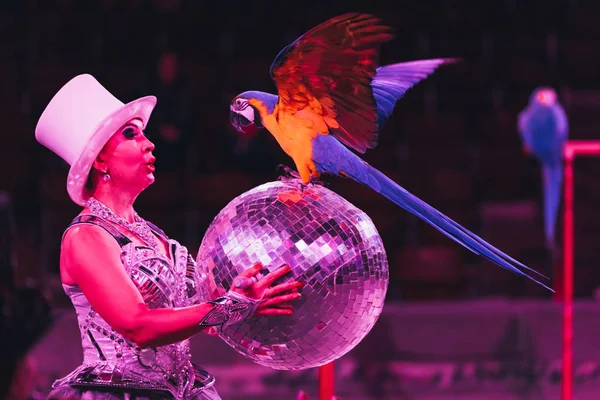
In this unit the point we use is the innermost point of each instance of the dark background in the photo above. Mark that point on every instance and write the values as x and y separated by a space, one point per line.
452 140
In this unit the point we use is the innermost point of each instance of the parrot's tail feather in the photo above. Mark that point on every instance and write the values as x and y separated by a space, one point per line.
384 185
553 176
392 81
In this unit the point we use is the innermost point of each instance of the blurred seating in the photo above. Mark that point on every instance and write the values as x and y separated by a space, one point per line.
57 211
123 80
218 189
46 79
163 203
433 272
579 62
10 83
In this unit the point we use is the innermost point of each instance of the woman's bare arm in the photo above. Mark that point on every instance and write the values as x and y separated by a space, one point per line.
90 258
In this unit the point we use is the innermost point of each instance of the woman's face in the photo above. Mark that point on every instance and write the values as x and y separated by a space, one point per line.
128 159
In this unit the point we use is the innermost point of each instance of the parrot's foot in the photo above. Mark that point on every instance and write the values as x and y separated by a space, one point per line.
315 180
287 172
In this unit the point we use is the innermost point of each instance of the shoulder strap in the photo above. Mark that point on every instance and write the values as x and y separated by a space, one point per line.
102 223
157 230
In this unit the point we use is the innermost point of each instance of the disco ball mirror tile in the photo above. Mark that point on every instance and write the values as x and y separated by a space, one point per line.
333 248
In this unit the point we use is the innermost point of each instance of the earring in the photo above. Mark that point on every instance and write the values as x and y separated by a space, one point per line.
106 177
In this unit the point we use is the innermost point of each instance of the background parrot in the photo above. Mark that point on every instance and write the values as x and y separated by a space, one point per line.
543 128
331 93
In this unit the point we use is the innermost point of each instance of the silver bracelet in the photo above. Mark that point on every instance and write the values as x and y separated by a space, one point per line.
229 309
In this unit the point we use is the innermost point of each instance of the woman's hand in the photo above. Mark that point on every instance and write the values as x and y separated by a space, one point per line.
273 299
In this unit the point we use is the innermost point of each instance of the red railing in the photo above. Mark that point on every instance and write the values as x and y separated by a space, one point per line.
572 149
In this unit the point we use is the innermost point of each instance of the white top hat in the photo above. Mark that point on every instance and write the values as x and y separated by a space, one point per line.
79 120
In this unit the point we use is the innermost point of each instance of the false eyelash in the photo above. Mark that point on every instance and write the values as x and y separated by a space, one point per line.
128 132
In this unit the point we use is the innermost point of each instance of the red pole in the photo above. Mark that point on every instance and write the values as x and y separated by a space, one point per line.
567 292
571 150
326 381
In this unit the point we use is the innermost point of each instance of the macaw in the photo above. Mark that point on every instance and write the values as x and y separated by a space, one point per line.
544 128
331 93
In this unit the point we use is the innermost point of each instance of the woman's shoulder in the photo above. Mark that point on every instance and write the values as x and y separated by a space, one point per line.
89 226
85 233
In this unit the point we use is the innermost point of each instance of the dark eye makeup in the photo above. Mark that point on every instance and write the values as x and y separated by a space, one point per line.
129 132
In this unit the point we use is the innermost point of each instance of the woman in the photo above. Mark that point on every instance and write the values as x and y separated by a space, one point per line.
133 288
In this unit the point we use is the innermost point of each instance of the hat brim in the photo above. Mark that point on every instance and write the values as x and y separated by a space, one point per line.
78 173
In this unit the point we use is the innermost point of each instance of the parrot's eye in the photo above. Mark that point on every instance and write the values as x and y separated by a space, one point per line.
240 104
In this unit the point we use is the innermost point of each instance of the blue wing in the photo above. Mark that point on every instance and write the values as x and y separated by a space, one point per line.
392 81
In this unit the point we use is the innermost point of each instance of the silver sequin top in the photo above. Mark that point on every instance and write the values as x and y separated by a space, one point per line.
110 360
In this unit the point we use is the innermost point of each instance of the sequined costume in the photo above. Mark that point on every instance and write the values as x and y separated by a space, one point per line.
115 368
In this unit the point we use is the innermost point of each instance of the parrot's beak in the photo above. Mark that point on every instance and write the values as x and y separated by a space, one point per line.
242 124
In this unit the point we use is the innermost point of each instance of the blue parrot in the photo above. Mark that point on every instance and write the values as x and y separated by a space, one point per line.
331 93
544 128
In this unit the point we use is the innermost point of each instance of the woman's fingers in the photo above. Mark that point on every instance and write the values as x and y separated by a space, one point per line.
280 299
284 306
252 271
273 276
274 311
279 306
294 285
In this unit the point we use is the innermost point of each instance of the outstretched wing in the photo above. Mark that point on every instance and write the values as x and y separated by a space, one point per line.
391 82
327 73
